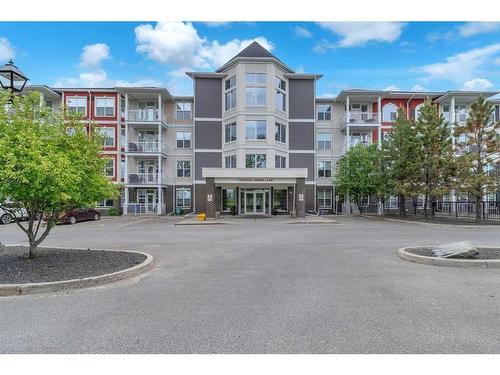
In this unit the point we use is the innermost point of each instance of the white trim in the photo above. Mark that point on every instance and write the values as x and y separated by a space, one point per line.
254 172
207 150
301 120
301 151
208 119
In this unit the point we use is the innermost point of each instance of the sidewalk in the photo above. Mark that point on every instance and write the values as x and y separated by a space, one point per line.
243 219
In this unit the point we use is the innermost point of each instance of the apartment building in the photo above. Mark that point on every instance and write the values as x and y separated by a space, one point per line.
253 139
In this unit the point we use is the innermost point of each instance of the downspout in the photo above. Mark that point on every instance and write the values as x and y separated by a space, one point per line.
408 106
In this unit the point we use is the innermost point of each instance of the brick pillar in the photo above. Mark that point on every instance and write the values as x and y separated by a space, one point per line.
300 197
211 201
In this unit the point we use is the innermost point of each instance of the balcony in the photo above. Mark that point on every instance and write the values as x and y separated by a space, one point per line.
146 147
136 208
361 119
145 115
139 178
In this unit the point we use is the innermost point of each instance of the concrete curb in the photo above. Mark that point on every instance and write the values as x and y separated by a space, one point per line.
57 286
447 262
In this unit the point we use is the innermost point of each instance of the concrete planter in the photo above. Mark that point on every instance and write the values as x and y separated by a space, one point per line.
448 262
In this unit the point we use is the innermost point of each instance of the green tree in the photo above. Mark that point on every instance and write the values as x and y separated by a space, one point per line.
399 156
435 154
48 163
357 173
481 141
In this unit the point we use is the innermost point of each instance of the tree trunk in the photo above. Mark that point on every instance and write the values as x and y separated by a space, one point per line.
479 205
402 205
32 250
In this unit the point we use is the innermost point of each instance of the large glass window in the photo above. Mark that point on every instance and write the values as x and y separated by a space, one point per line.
255 161
104 107
183 197
183 111
230 161
280 94
324 141
228 200
183 139
230 132
255 129
108 134
323 112
389 112
77 104
325 198
280 132
255 78
255 95
183 168
230 93
324 168
105 203
280 199
279 161
109 168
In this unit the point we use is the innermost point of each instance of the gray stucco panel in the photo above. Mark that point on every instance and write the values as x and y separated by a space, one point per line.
208 134
301 135
301 100
208 97
206 159
303 161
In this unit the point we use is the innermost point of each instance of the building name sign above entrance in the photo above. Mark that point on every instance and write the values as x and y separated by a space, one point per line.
255 179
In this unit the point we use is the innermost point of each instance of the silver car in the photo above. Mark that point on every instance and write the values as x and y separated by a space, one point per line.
7 217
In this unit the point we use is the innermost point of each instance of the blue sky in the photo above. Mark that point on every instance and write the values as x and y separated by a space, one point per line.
377 55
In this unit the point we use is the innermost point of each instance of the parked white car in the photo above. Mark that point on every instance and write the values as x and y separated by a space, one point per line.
6 217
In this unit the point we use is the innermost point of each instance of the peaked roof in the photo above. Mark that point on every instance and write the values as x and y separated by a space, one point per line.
254 51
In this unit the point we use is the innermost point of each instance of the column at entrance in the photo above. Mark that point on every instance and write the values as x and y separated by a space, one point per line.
300 197
211 201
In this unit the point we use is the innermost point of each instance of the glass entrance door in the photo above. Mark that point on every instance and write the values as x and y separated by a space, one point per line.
255 202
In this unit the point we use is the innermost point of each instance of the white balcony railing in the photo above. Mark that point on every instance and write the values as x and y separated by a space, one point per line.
146 147
144 115
135 208
139 178
362 118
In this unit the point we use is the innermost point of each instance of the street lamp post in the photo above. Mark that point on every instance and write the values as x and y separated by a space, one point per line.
12 78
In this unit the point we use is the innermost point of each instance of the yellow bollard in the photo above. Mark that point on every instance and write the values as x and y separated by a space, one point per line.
202 216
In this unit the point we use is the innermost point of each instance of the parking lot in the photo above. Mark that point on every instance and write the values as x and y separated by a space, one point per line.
264 286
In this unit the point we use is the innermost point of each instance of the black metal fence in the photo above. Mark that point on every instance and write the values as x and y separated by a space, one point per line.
488 210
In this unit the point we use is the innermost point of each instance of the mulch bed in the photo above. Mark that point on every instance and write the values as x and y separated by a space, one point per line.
59 265
484 253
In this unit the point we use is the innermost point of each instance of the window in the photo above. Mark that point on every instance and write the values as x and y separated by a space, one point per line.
183 168
105 203
122 105
123 166
70 131
279 161
230 94
280 134
230 161
324 169
255 92
77 104
323 112
109 168
416 113
230 132
183 111
280 94
324 141
183 197
389 112
108 134
363 138
255 95
325 198
363 108
255 129
228 199
183 139
104 107
255 161
280 199
49 104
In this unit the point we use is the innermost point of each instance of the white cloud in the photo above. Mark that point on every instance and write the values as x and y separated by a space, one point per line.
477 84
178 43
301 32
475 28
391 88
93 75
327 95
323 45
216 23
300 69
6 50
354 34
497 61
418 88
462 66
93 55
